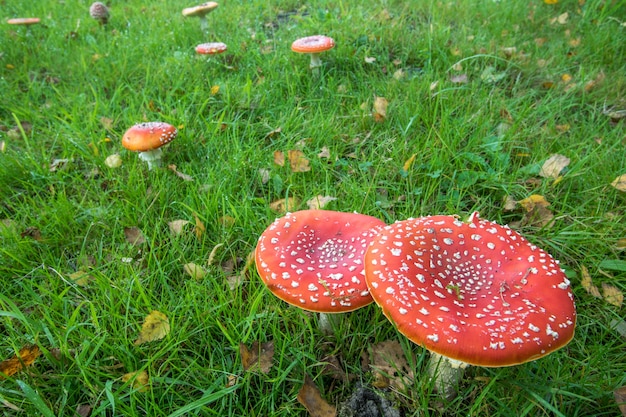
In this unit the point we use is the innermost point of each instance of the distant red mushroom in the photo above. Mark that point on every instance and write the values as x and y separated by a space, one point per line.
313 45
147 139
211 48
313 259
100 12
475 292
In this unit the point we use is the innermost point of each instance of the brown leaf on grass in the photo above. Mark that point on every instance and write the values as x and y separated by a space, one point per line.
80 278
279 158
273 133
309 396
24 358
319 202
58 164
139 380
32 232
106 122
587 284
324 153
155 326
389 364
177 226
380 109
199 229
285 204
134 236
83 410
297 161
509 203
553 166
612 295
620 398
596 82
258 357
620 183
179 174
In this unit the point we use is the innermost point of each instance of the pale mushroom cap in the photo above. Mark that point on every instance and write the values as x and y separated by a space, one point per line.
144 137
313 259
474 291
99 11
313 44
24 21
200 10
211 48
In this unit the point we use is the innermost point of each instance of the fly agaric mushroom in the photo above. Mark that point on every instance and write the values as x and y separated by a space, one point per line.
313 45
100 12
211 48
24 21
313 259
475 292
201 11
147 139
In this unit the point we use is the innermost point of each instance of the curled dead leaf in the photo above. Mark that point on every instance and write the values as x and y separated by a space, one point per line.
309 396
139 380
179 174
258 357
553 166
380 109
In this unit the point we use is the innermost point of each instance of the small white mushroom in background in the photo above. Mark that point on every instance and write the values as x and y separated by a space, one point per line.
147 139
24 21
100 12
470 292
313 259
200 12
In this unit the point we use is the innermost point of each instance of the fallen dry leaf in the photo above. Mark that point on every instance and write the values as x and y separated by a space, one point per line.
297 161
177 226
459 79
560 19
553 166
390 366
211 257
106 122
279 158
324 153
380 109
408 163
199 228
265 175
113 161
155 326
587 284
285 204
310 397
620 182
139 380
258 357
612 295
134 236
620 398
80 278
195 271
319 202
179 174
596 82
24 358
532 201
58 164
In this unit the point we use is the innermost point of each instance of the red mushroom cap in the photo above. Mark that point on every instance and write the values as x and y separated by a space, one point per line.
24 21
472 291
314 259
313 44
144 137
99 11
211 48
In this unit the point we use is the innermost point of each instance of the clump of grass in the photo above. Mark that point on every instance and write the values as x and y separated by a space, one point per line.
71 87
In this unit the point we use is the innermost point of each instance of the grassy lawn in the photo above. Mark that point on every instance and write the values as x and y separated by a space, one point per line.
478 95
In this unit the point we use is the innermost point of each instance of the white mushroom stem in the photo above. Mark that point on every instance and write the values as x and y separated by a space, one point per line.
328 322
316 62
152 158
446 374
204 23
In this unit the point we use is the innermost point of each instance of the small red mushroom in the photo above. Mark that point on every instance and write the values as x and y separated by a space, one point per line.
476 292
147 139
313 45
211 48
313 259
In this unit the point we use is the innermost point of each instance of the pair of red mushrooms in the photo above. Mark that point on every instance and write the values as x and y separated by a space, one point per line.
472 291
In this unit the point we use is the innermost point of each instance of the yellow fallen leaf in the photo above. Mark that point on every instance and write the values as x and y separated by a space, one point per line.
318 202
285 204
81 278
408 163
155 326
139 380
200 228
550 1
532 201
380 109
24 358
279 158
215 89
620 182
297 161
587 284
553 166
195 271
612 295
176 226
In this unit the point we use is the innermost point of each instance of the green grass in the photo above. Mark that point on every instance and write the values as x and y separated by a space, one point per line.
60 78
